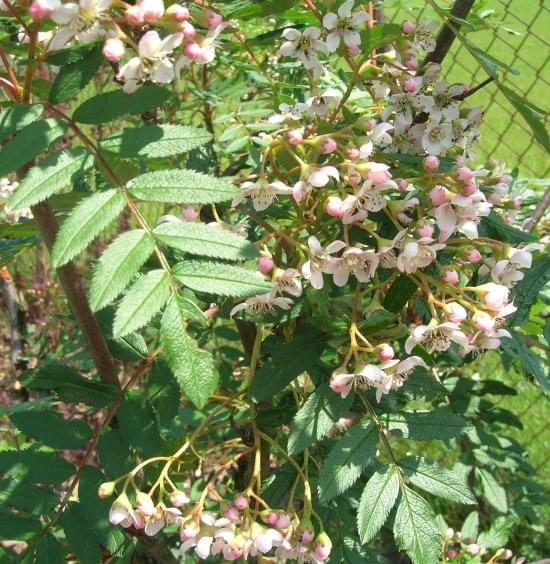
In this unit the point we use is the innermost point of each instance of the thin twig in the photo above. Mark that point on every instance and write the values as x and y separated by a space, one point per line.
539 212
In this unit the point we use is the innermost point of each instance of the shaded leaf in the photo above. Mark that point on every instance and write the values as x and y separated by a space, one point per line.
493 492
441 423
35 467
17 117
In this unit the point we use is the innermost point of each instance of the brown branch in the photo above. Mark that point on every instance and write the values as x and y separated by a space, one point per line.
71 283
539 212
446 36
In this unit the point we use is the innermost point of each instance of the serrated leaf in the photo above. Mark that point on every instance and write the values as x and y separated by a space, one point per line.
116 104
347 459
50 428
205 240
492 226
163 393
57 171
145 298
181 187
17 117
529 362
415 528
376 502
470 526
71 54
26 497
29 143
527 290
316 418
35 467
493 492
48 551
399 293
288 361
194 368
436 479
86 221
18 527
79 534
118 264
441 423
155 141
220 279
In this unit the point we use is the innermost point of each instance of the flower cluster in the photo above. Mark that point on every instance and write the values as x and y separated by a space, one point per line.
459 549
162 39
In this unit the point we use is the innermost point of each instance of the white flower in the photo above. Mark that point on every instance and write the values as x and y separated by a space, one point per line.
507 271
386 253
261 304
289 112
323 104
485 341
161 517
320 260
437 137
262 193
442 102
368 198
153 63
303 46
287 281
362 264
322 176
438 336
417 254
424 40
344 25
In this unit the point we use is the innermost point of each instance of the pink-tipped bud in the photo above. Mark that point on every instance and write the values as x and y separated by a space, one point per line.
494 296
211 311
507 554
241 501
506 179
153 10
295 136
333 206
425 230
409 85
188 30
402 217
179 498
323 546
307 536
454 313
188 532
408 27
265 265
483 321
40 9
516 202
283 521
370 124
438 195
113 50
378 176
192 51
448 534
468 189
493 163
354 50
385 352
106 490
473 549
452 553
232 514
214 19
189 213
271 518
464 174
328 146
134 16
473 256
177 13
450 277
402 184
412 63
352 153
431 163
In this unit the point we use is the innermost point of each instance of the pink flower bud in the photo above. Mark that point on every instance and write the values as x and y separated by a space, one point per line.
370 124
431 163
425 230
113 50
472 549
232 514
506 179
333 206
188 30
283 521
179 498
328 146
189 213
473 256
451 277
323 546
507 554
448 534
354 50
177 13
145 504
211 311
295 136
468 189
378 176
516 202
265 265
385 352
454 313
192 50
40 9
494 296
307 536
464 174
352 153
438 195
271 518
214 19
452 553
402 217
409 85
134 16
106 490
188 532
483 321
402 184
152 9
408 27
493 163
412 63
241 501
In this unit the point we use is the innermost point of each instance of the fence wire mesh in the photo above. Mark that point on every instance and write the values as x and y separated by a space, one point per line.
519 36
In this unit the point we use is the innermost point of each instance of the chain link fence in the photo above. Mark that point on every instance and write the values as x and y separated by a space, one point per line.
518 36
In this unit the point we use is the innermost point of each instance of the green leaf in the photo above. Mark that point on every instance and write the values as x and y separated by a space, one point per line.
145 297
526 291
114 453
399 293
470 527
17 527
57 171
382 34
26 497
163 393
415 528
29 143
493 492
52 429
220 279
351 454
441 423
87 220
72 54
492 226
35 467
376 502
316 418
205 240
193 367
243 10
155 141
116 104
79 535
436 479
48 551
287 361
17 117
529 363
181 187
73 77
118 264
137 422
